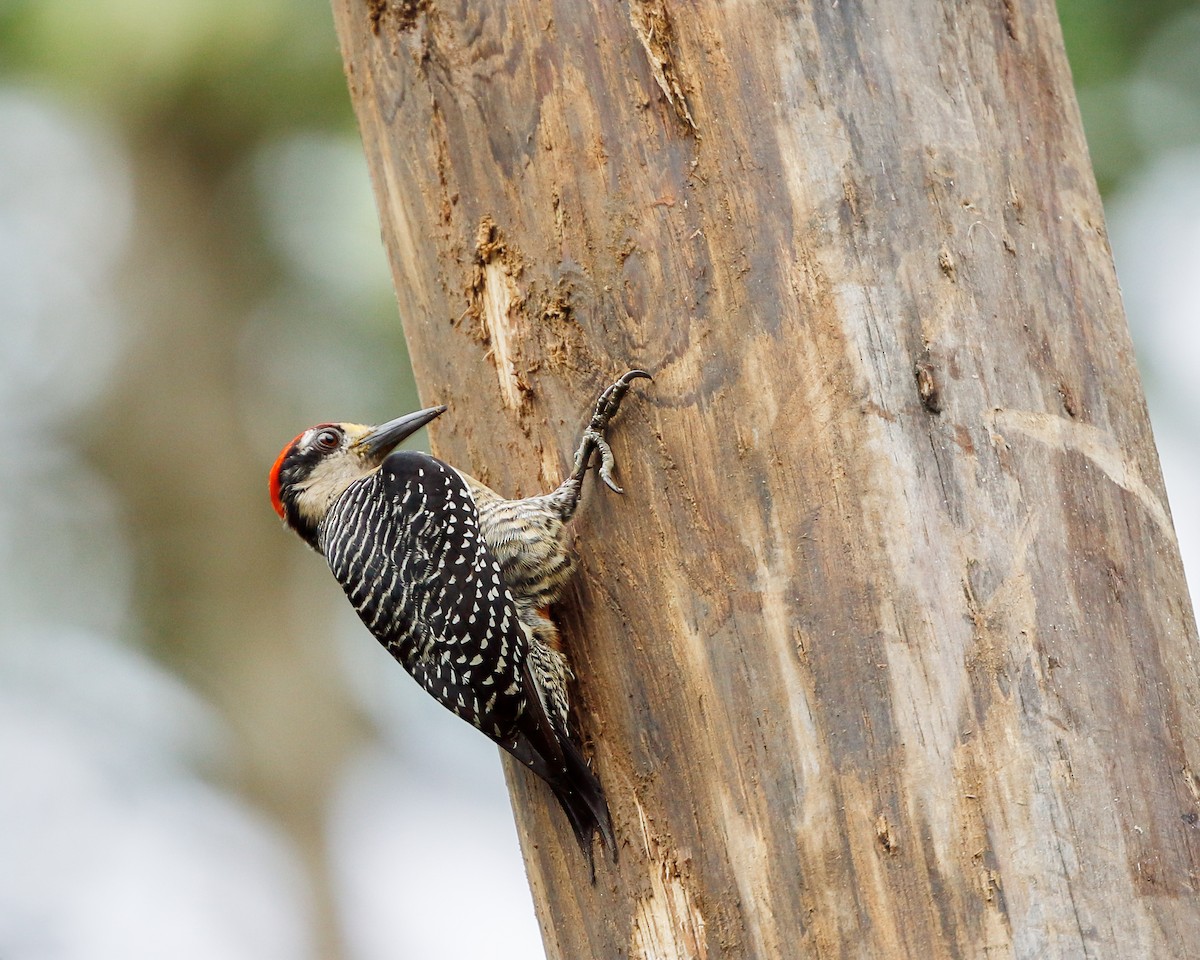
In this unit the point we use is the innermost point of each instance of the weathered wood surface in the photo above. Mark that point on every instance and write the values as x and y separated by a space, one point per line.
887 650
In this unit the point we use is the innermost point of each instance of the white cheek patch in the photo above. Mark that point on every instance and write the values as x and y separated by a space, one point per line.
325 484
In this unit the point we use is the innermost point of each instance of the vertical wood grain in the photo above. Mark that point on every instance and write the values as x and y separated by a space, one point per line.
887 650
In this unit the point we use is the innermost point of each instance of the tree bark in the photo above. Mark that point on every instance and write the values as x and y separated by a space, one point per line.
887 650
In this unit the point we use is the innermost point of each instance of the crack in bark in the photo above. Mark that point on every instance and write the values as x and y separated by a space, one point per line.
654 31
496 302
401 14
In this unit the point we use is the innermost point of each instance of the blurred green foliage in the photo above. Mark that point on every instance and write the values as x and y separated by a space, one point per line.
1137 74
217 74
1103 37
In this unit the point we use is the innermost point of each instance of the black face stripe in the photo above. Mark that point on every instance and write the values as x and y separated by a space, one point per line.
297 466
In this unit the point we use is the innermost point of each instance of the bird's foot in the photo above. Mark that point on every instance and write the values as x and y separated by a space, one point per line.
593 440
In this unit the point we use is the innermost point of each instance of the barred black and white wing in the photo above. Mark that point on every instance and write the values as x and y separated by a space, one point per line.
405 545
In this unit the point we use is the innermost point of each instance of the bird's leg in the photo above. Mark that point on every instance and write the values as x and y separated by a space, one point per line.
593 437
565 499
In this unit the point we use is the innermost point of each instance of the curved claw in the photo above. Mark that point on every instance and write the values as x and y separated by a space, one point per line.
607 405
607 462
610 400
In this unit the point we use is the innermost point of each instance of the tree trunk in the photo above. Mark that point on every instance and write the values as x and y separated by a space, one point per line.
887 651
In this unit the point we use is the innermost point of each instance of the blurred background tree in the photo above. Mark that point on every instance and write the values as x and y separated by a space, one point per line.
203 753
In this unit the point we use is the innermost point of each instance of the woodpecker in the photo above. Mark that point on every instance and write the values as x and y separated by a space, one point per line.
454 580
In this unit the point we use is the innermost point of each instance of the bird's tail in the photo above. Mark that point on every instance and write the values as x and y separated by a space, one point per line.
551 751
581 796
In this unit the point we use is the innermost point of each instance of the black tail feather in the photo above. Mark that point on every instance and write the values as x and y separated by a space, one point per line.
579 793
582 798
555 756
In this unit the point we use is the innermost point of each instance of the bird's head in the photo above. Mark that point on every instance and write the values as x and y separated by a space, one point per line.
318 465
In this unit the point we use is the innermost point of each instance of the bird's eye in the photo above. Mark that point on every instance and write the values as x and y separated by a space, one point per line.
328 439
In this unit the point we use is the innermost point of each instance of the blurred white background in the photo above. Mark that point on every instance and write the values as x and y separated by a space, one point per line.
202 754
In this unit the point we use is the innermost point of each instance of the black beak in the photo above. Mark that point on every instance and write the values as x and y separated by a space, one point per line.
387 436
